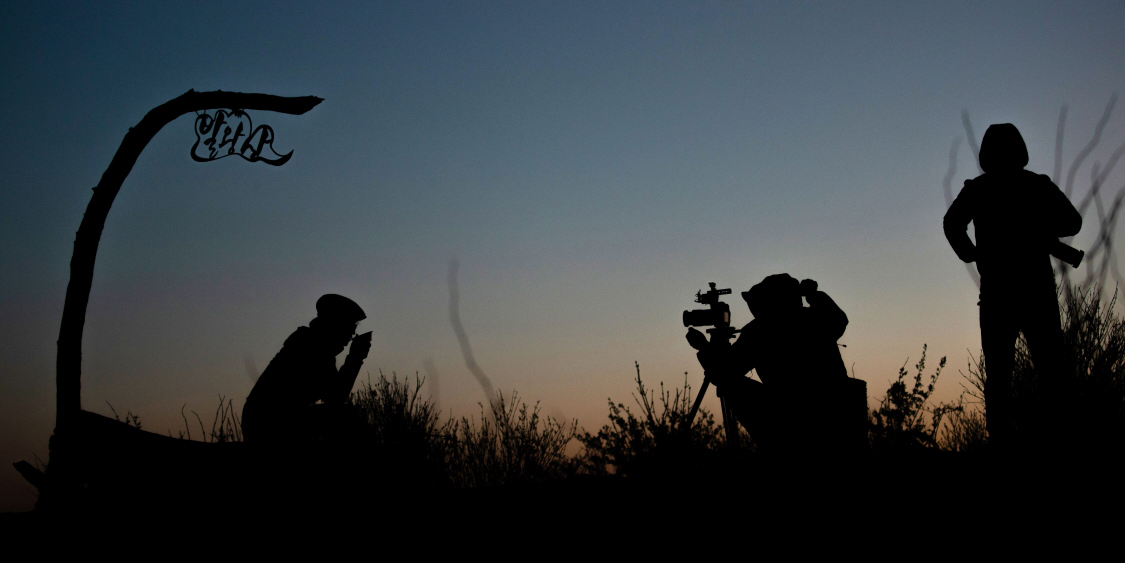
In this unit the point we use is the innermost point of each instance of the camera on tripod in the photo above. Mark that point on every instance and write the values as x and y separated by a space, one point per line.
717 316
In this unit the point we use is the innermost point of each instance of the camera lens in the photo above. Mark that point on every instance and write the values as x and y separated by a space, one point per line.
702 317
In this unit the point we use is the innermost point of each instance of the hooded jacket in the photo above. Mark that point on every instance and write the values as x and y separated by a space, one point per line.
1017 216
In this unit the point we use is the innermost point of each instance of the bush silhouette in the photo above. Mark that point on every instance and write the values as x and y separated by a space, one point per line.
401 430
904 421
512 443
1083 408
513 446
657 440
402 435
1095 338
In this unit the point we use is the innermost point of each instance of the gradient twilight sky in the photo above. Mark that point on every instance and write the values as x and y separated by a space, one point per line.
590 165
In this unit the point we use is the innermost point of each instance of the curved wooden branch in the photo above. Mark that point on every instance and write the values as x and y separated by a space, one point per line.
68 367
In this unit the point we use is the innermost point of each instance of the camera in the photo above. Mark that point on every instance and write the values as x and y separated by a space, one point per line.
717 316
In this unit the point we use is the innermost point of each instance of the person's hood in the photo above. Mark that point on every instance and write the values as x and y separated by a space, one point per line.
1002 149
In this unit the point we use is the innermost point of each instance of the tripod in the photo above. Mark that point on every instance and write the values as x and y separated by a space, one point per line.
720 342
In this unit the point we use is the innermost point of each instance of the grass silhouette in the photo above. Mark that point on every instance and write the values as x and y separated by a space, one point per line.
402 454
510 443
904 420
1082 410
657 439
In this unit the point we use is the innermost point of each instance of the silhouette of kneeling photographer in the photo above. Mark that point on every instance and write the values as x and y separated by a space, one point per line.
300 395
800 403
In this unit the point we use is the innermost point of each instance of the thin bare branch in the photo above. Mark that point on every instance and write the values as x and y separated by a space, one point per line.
1085 152
972 139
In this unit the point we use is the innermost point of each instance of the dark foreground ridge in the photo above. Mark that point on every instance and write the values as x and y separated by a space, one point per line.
229 485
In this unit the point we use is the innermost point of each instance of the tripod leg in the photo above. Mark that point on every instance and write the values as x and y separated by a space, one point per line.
729 423
698 401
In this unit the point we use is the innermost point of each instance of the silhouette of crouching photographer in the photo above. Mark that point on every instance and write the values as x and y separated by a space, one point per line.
804 401
301 395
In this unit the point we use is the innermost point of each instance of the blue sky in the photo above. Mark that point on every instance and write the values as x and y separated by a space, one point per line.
590 165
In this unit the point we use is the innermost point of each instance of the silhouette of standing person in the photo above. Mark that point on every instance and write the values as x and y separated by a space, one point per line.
1017 216
282 404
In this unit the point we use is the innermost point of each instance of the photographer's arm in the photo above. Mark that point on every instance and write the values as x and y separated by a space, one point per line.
709 358
720 362
831 318
345 377
956 225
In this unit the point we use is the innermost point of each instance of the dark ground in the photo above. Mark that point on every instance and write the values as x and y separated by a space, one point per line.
944 497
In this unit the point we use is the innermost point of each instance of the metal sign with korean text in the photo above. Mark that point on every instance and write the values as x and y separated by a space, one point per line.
224 132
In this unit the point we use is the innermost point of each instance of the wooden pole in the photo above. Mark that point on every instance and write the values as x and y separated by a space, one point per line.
68 367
